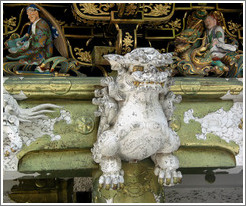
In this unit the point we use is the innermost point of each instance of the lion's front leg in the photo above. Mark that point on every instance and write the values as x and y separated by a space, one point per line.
166 163
105 152
112 176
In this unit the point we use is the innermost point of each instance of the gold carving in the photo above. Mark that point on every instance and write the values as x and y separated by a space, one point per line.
127 43
96 9
84 56
233 27
157 9
174 24
10 23
131 9
61 23
192 88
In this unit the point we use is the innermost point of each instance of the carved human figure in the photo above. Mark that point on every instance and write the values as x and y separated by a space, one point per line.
137 122
35 46
216 41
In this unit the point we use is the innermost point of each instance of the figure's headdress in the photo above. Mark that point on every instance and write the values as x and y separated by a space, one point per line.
33 6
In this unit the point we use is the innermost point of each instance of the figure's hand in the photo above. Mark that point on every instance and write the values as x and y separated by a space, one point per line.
215 42
27 35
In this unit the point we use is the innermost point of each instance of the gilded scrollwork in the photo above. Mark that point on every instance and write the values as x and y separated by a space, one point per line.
84 56
127 43
233 27
96 9
10 23
157 9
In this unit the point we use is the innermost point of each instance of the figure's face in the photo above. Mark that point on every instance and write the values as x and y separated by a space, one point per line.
210 22
32 14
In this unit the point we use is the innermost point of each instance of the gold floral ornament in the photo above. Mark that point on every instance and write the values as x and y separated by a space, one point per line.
233 27
174 24
131 9
10 23
127 43
96 9
84 56
157 9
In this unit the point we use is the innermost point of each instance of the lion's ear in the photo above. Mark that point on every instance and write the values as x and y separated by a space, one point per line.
116 61
113 58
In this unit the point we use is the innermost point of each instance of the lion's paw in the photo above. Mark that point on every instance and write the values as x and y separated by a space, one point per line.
168 177
113 180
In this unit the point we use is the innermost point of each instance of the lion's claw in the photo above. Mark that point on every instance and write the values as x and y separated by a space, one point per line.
112 181
167 177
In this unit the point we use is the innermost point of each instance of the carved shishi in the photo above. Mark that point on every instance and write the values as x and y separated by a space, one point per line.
135 110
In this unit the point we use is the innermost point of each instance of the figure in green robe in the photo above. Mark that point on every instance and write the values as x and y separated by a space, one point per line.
216 42
34 47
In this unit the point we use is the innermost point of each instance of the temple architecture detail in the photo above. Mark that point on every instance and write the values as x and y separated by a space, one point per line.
122 102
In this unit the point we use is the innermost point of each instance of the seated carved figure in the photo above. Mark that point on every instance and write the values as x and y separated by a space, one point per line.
33 52
200 52
35 46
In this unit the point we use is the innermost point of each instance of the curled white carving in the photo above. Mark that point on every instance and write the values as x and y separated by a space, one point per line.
13 117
